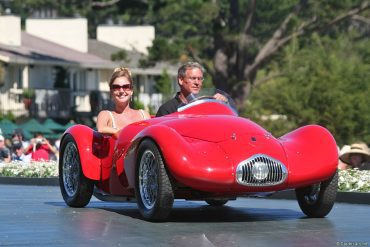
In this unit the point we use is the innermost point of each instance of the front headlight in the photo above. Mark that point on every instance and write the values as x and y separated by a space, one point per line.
260 170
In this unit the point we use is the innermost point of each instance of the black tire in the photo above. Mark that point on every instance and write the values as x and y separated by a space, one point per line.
316 201
216 202
76 189
154 190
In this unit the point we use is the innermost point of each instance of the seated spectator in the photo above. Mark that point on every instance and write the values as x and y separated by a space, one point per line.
356 156
4 151
343 150
18 137
57 147
40 148
18 153
57 143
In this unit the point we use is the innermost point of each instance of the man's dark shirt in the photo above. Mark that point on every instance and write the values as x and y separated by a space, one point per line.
4 153
170 106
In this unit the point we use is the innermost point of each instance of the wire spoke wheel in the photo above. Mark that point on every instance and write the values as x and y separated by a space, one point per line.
71 169
148 179
153 188
76 189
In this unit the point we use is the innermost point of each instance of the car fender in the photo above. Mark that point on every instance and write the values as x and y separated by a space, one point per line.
312 154
91 148
185 163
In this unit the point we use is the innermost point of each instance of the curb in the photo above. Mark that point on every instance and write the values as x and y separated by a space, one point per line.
345 197
29 181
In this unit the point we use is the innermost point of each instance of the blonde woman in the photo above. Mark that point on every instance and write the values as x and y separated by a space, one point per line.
121 90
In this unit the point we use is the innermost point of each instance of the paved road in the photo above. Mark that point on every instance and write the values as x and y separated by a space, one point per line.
37 216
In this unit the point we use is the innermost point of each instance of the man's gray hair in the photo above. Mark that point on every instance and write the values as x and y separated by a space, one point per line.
181 73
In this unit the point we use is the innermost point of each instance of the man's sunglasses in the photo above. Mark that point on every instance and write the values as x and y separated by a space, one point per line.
125 87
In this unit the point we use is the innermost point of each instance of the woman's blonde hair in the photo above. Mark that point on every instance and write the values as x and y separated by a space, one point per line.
119 72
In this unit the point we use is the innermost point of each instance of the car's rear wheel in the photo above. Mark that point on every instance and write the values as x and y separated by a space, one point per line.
76 189
317 200
154 190
216 202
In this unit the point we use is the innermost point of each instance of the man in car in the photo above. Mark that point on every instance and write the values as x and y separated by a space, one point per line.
190 79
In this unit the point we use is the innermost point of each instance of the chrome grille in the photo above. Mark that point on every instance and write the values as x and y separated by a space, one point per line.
276 172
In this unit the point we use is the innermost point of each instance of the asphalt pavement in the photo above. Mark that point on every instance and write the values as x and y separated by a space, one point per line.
37 216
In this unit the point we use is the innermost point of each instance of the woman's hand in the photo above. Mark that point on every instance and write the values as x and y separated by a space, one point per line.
116 134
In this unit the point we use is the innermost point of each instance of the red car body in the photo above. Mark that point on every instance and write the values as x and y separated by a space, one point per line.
209 153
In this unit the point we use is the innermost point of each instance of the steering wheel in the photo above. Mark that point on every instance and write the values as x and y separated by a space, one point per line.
205 97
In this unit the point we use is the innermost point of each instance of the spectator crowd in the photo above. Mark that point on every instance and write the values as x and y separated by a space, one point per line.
18 149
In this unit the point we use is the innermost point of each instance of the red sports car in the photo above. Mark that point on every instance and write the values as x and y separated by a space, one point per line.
204 151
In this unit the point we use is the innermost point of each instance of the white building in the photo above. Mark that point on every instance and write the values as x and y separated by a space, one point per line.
56 58
131 38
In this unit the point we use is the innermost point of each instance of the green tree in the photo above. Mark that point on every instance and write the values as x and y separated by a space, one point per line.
236 39
163 84
326 83
121 55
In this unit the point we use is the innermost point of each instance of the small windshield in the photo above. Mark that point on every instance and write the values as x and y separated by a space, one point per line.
207 95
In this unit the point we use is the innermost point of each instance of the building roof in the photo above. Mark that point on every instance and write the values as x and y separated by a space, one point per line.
105 50
34 50
38 51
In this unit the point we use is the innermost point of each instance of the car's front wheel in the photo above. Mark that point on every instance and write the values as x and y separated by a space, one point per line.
154 190
317 200
76 189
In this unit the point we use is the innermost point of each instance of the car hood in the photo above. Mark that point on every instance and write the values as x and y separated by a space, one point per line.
212 128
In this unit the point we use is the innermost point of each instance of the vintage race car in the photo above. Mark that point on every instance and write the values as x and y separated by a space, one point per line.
204 151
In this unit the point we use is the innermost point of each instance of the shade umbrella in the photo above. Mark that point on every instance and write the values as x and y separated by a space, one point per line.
26 134
69 124
34 126
54 126
8 127
53 136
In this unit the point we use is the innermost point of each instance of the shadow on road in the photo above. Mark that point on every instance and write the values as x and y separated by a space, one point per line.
194 212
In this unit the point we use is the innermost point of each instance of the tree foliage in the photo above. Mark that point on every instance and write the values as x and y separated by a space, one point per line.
119 56
164 84
326 83
235 39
